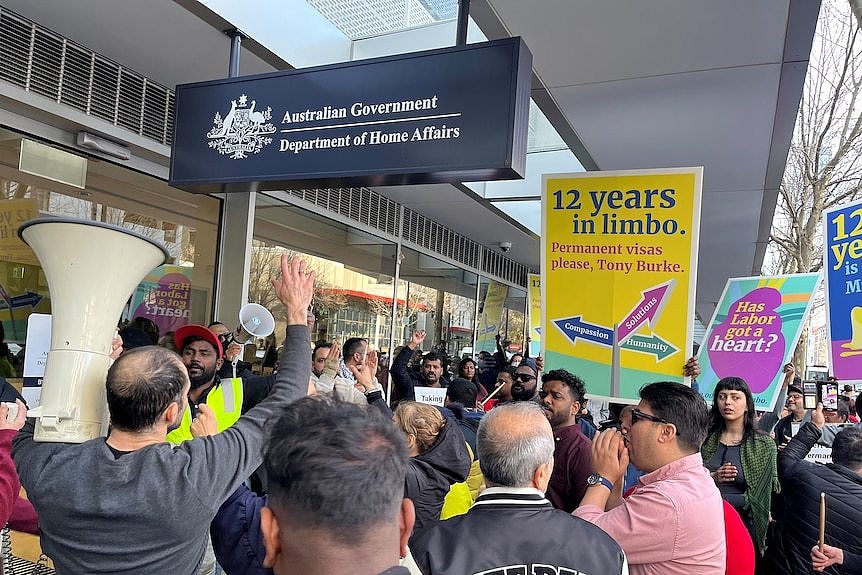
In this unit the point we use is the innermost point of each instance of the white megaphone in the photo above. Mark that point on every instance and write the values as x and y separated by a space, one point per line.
254 321
92 269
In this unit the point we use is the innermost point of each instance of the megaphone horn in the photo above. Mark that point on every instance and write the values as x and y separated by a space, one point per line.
92 268
254 321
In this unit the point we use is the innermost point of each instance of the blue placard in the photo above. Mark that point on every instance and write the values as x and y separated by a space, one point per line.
842 266
450 115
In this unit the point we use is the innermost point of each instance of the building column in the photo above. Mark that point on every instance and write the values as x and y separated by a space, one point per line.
234 256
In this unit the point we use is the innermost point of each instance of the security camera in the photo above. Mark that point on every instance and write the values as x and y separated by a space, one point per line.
505 246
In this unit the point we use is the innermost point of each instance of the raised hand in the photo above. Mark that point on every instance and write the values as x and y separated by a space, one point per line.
789 372
333 357
364 377
610 459
691 368
295 289
371 362
416 338
817 417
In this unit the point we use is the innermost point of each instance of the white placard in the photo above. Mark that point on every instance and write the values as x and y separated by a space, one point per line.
819 454
431 395
38 344
35 356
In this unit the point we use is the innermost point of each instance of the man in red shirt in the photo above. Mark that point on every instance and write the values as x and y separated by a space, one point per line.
561 398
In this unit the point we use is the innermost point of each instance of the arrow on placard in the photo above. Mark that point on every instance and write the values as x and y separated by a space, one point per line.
29 299
489 329
647 310
575 328
652 345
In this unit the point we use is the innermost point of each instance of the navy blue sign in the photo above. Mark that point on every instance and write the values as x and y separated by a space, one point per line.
450 115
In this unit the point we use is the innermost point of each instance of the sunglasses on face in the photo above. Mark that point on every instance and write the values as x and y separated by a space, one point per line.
637 415
523 377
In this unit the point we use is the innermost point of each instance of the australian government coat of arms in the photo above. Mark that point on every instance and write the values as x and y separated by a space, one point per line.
242 131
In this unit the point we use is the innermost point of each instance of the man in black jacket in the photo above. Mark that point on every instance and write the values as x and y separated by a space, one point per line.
430 372
798 510
511 527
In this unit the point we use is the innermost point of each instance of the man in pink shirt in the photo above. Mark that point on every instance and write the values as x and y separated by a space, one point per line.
672 523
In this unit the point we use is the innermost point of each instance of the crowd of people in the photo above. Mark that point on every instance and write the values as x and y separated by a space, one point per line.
312 469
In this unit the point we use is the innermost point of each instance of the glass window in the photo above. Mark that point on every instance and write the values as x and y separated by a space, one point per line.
437 297
185 223
354 288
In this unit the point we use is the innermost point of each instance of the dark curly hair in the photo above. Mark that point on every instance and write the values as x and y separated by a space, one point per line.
575 383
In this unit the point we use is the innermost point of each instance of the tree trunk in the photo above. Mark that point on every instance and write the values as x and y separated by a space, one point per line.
800 356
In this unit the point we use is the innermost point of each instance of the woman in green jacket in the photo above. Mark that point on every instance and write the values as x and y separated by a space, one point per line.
743 461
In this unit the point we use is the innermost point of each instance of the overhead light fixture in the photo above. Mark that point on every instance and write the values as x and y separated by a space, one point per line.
99 144
52 163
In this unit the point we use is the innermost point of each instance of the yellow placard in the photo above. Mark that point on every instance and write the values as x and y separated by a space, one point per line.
13 213
534 288
619 262
491 318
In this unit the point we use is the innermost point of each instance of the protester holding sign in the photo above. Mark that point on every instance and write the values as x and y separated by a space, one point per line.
753 333
430 371
742 460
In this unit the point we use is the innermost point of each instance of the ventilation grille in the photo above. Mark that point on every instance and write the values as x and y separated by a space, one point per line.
496 264
367 207
358 204
42 62
432 236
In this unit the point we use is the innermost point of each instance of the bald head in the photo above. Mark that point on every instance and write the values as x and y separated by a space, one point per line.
513 441
141 384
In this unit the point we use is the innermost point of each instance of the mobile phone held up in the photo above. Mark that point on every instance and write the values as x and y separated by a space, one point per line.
827 393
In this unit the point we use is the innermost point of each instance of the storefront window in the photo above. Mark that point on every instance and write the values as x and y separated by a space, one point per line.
439 298
354 287
184 223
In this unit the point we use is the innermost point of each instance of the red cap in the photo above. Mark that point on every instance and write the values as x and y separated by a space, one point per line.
193 330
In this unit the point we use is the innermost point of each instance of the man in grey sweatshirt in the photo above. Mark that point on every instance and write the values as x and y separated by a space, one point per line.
132 503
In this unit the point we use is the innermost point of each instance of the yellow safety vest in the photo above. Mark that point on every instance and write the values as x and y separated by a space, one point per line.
225 401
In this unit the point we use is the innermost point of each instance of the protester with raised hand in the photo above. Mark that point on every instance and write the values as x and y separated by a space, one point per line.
797 510
132 503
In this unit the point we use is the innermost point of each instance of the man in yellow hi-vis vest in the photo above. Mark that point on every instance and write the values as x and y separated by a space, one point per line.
202 352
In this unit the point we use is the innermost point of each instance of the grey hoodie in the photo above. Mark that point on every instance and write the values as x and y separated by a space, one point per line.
148 511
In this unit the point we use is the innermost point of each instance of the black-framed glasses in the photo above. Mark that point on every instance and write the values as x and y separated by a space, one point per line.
637 415
523 377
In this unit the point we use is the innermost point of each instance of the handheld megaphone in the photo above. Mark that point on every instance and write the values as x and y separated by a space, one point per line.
92 269
254 321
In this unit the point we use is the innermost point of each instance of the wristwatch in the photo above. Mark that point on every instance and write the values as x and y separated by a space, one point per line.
596 479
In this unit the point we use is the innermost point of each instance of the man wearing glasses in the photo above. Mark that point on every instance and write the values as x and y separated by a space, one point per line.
787 426
525 381
673 521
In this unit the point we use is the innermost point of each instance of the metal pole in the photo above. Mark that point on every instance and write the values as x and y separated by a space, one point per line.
476 313
395 279
463 19
235 44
